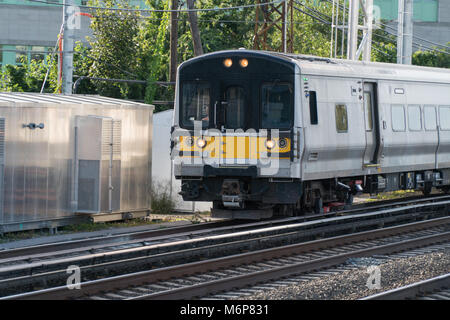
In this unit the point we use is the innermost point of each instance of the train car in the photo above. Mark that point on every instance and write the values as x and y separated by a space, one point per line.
263 133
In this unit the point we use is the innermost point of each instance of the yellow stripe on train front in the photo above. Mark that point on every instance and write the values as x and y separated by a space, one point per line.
233 147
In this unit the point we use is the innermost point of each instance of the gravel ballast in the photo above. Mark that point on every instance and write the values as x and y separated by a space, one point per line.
353 284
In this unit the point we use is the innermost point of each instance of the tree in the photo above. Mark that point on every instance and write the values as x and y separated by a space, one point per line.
27 76
154 38
115 49
437 58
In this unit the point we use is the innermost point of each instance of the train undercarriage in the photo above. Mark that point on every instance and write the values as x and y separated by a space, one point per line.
248 197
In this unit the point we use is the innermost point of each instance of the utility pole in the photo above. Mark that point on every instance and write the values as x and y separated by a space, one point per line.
198 49
68 40
173 41
367 33
365 47
352 37
404 31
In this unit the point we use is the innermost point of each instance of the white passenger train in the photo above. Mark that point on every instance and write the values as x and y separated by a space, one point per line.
263 133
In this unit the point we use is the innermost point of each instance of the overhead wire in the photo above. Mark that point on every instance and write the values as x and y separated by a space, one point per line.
163 10
416 44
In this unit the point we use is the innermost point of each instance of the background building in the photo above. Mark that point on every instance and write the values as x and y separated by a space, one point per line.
431 19
31 27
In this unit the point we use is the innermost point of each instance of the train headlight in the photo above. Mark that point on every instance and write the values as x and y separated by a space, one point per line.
201 143
243 63
282 143
228 62
270 144
189 142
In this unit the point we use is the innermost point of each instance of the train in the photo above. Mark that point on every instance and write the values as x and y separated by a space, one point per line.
262 134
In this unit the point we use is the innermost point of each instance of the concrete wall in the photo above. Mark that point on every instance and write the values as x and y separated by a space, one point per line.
162 173
437 32
444 12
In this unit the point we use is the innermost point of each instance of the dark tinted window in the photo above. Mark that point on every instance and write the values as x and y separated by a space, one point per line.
313 107
235 108
195 103
276 105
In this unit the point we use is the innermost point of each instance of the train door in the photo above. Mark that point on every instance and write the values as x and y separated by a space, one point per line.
232 115
443 129
233 106
371 124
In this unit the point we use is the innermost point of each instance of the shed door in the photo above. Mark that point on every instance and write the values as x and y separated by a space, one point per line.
371 124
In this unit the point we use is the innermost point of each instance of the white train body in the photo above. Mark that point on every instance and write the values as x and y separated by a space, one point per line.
344 127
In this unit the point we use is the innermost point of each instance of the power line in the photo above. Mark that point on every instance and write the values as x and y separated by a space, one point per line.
161 10
431 42
329 23
417 45
414 43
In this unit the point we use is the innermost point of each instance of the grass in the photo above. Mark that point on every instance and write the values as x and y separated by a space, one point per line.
74 228
394 195
162 202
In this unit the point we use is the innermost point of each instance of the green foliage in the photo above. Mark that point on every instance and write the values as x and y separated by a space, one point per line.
128 45
161 200
157 51
436 58
115 49
225 29
82 63
25 77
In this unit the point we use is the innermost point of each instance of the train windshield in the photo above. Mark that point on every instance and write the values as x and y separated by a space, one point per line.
276 105
195 102
235 108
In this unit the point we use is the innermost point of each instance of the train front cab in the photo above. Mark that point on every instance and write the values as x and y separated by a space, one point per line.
236 140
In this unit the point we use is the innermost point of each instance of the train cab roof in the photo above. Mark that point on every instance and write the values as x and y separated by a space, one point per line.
320 66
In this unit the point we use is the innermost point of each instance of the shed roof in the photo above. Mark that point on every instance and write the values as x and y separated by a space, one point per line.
50 98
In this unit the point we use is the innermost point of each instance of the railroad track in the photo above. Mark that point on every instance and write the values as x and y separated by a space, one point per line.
203 278
133 238
437 288
35 273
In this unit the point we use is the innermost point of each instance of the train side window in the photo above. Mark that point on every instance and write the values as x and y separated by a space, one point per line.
341 118
368 110
398 117
444 117
313 107
414 118
429 114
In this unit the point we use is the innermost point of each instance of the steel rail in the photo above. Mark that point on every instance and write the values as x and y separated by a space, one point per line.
37 251
112 239
45 277
204 289
337 223
413 290
151 276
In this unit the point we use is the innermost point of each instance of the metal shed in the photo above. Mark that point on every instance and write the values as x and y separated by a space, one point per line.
65 157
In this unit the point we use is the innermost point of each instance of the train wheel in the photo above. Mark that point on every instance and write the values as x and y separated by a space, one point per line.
349 199
318 205
427 188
